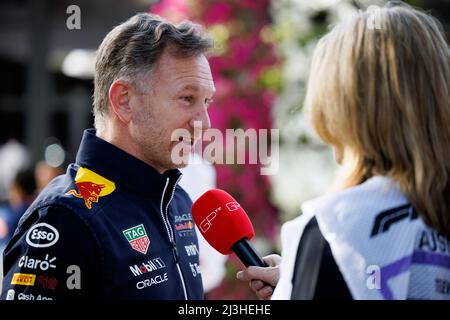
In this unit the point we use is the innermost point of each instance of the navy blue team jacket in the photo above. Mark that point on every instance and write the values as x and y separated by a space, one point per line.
112 227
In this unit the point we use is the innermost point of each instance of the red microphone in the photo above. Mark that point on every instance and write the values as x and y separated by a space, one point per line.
226 226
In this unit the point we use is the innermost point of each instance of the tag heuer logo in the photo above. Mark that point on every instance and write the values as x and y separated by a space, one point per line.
137 237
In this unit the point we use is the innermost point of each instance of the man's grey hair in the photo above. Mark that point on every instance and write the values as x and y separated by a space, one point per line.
131 50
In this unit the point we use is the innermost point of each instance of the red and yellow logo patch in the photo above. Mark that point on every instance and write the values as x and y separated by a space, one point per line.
23 279
91 186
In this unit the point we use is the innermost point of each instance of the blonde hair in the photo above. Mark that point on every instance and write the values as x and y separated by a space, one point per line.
380 93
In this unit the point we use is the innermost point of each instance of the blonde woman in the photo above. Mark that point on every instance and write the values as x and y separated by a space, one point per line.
379 94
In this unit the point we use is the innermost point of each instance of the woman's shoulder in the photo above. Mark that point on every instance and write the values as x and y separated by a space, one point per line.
357 207
372 224
374 195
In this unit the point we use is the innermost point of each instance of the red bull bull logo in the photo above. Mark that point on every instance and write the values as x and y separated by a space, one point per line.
91 186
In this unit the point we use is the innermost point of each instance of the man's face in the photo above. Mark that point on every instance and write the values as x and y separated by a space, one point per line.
179 92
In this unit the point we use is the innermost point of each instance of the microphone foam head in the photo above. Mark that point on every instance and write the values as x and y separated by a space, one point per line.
221 220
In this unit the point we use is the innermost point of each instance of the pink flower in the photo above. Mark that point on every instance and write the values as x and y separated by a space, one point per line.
260 5
218 12
172 10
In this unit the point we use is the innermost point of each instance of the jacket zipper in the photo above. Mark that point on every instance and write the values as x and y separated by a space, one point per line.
165 217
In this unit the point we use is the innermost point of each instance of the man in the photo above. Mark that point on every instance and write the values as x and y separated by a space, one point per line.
117 225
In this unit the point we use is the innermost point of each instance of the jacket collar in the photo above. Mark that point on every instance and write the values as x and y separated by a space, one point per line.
121 167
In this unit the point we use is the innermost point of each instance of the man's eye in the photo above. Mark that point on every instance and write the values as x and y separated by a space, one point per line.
187 98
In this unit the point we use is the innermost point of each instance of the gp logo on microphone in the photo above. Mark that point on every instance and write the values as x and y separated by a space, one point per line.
233 206
206 223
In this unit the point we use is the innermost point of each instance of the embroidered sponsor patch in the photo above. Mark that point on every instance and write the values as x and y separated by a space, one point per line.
91 186
137 238
42 235
23 279
147 266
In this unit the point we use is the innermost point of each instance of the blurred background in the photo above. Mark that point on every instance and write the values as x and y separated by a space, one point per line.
260 67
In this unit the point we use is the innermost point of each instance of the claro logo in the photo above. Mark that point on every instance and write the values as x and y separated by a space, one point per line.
42 235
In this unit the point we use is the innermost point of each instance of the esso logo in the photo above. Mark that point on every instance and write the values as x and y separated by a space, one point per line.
42 235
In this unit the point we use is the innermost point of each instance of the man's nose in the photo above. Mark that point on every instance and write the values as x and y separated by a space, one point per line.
203 117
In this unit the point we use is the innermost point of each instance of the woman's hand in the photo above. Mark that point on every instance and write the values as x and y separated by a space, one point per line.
262 280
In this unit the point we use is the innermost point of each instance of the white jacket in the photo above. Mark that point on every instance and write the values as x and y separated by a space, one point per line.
383 250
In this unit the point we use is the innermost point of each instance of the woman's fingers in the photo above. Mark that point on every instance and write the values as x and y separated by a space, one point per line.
265 293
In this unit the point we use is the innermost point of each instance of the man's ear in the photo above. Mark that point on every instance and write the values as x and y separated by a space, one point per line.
119 98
